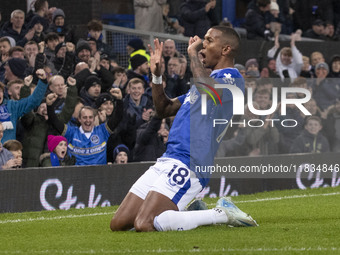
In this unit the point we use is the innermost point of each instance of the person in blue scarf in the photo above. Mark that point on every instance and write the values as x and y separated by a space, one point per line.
57 145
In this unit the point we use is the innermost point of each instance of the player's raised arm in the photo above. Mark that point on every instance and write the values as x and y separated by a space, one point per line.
165 107
201 74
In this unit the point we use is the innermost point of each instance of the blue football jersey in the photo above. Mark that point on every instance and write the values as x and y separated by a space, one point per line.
193 139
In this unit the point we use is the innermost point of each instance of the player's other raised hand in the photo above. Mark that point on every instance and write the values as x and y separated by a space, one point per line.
156 57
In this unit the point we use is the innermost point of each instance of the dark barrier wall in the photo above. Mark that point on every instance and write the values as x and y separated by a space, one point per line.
79 187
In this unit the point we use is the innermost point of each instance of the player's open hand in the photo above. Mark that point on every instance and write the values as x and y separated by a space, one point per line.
156 58
50 98
41 74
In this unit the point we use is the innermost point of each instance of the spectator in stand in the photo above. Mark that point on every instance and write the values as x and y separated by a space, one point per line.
83 51
88 142
176 84
41 10
64 59
120 79
58 156
151 139
317 31
37 24
306 70
241 69
274 18
51 41
310 140
7 160
15 147
149 15
335 67
121 154
91 90
31 50
171 24
252 68
307 11
331 127
137 103
140 69
59 26
316 57
136 47
288 135
5 46
325 91
15 69
330 32
15 28
95 28
197 16
289 60
57 85
13 110
255 22
16 52
169 50
13 89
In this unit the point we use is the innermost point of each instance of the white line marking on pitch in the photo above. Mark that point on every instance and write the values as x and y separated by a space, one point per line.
113 212
128 251
285 197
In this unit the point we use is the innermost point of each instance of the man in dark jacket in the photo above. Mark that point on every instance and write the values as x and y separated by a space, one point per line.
255 20
151 139
197 16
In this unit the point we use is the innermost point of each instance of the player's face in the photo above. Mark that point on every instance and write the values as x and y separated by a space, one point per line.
121 158
86 120
212 48
61 149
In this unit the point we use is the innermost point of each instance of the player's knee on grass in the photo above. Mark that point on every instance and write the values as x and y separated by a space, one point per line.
142 225
120 224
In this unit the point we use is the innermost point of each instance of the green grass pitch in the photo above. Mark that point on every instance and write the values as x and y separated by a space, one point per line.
291 222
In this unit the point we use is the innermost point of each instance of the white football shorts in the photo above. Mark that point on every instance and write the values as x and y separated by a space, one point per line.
171 178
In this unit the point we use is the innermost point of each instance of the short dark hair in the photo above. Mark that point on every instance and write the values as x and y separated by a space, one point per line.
262 3
231 37
15 48
39 4
51 37
13 145
95 25
316 118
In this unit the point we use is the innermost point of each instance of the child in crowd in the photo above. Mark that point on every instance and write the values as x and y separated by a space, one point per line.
121 154
310 140
57 145
15 147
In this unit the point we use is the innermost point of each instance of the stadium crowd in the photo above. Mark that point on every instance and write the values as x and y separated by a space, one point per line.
66 101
